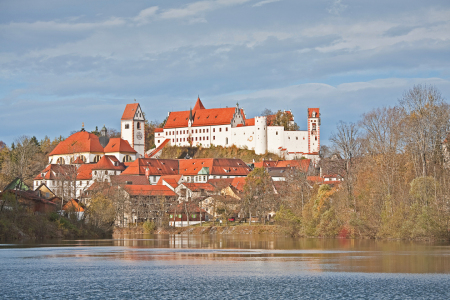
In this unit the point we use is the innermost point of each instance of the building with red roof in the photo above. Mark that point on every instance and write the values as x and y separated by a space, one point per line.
132 128
229 126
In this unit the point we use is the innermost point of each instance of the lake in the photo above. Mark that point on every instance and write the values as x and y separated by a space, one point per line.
224 267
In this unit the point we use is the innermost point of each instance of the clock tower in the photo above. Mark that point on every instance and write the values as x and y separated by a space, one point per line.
132 128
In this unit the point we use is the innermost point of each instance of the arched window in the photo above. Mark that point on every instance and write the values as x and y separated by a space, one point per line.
126 158
61 161
138 125
96 158
83 158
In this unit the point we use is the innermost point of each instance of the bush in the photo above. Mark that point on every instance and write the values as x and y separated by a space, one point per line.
149 226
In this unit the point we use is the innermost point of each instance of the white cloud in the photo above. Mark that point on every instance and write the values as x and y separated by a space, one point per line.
198 7
264 2
145 14
337 7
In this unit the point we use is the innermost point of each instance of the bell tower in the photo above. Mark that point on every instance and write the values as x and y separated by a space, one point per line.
313 130
132 128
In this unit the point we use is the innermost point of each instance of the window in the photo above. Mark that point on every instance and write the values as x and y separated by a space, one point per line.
126 158
220 129
203 130
214 137
226 129
207 138
171 216
316 138
95 172
127 126
166 133
179 216
214 130
177 131
61 161
194 216
195 130
96 158
177 139
138 125
207 130
296 137
277 132
226 141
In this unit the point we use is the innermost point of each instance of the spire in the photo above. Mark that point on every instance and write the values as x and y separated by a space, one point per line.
190 115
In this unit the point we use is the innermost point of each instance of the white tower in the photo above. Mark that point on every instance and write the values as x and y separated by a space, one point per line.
313 130
133 128
260 135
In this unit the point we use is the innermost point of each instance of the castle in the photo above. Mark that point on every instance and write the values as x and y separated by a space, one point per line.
229 126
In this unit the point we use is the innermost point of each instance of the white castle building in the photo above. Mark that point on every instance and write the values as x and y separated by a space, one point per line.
229 126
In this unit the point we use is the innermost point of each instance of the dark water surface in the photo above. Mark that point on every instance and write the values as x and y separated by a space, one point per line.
224 267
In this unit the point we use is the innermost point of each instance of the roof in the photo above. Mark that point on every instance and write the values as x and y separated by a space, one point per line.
221 183
130 111
159 148
129 179
250 122
197 187
73 204
57 172
302 164
311 110
265 164
172 180
217 166
108 162
277 171
316 179
85 172
149 190
155 167
30 195
78 161
78 142
202 117
159 129
18 184
198 105
119 145
238 183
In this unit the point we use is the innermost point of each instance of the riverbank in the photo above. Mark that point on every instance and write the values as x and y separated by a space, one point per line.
241 229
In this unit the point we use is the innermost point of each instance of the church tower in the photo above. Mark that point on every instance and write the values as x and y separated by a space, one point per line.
132 128
313 130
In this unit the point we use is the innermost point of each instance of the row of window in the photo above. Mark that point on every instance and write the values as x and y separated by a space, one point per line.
196 131
62 161
56 183
138 125
193 216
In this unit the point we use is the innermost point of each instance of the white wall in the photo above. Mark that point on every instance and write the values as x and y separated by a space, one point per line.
275 138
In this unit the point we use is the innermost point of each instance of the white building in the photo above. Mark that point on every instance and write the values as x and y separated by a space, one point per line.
229 126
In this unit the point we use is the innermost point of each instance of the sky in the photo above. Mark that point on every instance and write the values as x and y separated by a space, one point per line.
63 63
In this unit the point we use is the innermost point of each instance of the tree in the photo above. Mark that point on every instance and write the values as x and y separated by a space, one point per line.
283 118
258 193
346 142
101 212
426 119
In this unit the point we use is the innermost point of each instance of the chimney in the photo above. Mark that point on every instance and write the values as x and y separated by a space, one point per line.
147 173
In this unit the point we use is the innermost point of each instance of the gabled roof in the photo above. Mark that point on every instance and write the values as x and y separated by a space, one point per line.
265 164
198 105
202 117
57 172
107 162
119 145
155 166
149 190
78 142
159 148
17 184
250 122
130 111
172 180
159 129
85 172
78 161
302 164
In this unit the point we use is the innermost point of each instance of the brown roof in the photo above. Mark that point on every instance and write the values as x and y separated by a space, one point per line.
125 179
130 111
149 190
217 166
108 162
73 204
197 187
221 183
238 183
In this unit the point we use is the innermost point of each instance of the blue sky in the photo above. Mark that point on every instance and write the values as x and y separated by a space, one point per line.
67 62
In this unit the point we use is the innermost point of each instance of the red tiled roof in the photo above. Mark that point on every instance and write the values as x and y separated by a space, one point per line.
159 148
198 105
149 190
250 122
78 161
172 180
265 163
119 145
217 166
78 142
238 183
155 166
302 164
56 172
311 110
130 111
202 117
196 187
159 129
106 163
85 172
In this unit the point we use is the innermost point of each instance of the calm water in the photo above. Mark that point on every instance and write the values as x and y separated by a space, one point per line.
224 267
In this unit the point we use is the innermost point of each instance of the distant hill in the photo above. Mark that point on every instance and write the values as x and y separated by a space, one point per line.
216 152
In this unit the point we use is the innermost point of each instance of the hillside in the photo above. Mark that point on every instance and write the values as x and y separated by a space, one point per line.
175 152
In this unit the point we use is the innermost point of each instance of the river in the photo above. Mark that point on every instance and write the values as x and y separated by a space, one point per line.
224 267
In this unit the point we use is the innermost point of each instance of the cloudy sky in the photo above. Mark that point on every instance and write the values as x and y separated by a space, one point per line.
67 62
